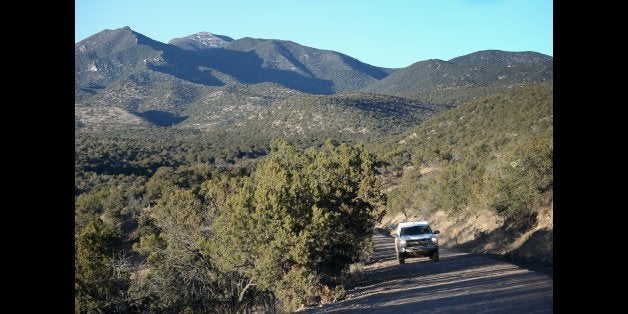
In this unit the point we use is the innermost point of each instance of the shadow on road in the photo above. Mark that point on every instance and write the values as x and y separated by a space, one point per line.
460 282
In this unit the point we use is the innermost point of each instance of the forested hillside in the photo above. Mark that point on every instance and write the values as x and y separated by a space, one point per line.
493 153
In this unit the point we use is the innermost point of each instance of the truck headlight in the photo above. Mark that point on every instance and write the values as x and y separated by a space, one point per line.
402 243
435 240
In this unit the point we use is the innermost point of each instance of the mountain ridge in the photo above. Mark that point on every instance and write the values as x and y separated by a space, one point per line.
466 77
207 81
247 60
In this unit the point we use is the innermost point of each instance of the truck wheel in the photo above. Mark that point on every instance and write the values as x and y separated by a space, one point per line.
434 257
401 258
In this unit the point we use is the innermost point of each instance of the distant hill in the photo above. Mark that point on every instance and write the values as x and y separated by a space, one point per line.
164 100
467 77
501 58
350 117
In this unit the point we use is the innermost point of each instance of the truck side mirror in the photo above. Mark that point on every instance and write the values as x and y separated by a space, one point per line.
436 231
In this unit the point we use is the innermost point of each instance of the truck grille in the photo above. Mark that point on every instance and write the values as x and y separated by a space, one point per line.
422 242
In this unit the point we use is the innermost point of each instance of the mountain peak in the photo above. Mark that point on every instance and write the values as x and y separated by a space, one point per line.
110 41
201 40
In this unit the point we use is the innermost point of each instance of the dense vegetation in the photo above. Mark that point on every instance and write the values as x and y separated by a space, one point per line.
227 239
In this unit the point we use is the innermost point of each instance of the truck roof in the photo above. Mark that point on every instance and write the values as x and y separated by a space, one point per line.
412 223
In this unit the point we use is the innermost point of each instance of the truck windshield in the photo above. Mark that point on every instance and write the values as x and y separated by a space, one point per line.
415 230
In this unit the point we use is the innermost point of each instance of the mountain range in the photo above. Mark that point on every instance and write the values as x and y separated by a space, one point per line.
211 82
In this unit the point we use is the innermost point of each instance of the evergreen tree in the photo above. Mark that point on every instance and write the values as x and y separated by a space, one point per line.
99 283
301 219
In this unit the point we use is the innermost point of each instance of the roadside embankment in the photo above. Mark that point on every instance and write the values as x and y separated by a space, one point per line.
527 242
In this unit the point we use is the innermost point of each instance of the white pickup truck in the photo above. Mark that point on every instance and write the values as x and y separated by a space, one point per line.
416 239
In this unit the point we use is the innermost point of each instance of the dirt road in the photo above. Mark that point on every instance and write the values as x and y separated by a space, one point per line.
460 282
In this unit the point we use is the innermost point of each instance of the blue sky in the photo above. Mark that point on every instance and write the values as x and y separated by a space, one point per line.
392 33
